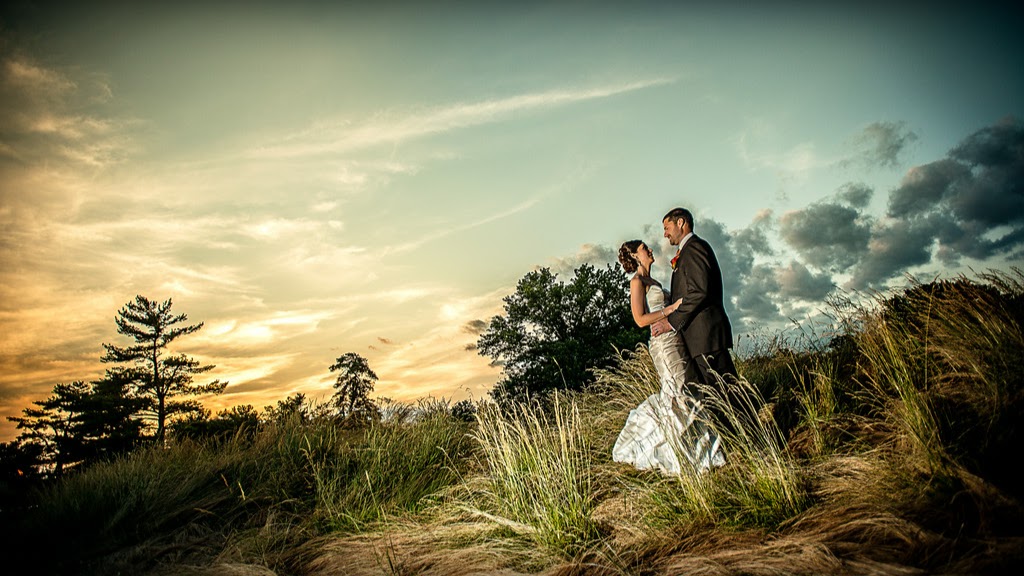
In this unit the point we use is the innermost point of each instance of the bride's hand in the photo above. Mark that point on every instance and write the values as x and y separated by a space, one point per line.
673 306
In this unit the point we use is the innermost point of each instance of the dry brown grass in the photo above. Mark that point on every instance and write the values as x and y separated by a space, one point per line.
893 458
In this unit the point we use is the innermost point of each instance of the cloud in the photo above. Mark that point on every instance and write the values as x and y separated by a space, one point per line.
475 327
881 144
754 297
856 194
55 116
442 361
968 204
925 187
753 240
971 202
895 247
445 231
827 235
341 136
594 254
795 281
748 286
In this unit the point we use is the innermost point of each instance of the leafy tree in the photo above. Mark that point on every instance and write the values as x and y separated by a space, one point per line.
292 406
56 427
553 333
354 383
464 410
230 422
157 375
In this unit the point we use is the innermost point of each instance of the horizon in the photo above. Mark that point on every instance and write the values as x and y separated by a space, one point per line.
310 180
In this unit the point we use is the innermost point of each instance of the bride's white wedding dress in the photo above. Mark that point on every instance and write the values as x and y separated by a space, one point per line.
670 425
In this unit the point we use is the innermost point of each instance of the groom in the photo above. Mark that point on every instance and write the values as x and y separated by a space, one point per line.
700 318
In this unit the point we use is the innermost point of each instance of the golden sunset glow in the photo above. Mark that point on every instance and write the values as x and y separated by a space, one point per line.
311 179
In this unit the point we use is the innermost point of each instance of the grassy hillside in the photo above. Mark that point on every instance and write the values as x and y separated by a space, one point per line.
887 446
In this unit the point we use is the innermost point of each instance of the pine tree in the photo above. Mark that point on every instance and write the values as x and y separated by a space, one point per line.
56 427
354 384
157 375
109 418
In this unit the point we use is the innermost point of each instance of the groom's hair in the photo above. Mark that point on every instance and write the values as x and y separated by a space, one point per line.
677 213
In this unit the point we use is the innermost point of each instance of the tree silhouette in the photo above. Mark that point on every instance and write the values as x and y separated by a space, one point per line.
354 384
553 333
81 423
109 417
293 406
237 422
56 427
154 373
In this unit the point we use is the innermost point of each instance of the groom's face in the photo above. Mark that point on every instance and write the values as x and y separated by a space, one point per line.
673 230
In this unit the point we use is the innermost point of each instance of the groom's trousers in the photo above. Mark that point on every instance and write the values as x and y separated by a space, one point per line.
703 368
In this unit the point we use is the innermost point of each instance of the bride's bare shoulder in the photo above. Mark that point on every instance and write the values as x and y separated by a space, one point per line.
639 282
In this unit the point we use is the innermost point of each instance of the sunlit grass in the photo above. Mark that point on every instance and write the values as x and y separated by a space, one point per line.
760 484
394 466
884 450
540 474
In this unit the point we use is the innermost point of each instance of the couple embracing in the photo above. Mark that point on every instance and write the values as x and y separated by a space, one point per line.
672 430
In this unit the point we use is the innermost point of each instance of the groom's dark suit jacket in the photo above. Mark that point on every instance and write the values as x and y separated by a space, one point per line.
701 318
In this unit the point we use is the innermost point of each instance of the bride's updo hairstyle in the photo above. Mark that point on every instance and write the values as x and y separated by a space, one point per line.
626 257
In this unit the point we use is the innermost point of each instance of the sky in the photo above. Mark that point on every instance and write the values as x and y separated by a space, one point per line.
314 178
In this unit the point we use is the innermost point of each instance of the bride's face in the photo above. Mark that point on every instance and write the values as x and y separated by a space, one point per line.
644 255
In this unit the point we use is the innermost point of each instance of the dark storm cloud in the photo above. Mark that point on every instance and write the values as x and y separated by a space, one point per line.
749 289
856 194
753 240
797 282
881 143
998 145
827 235
925 187
755 298
895 247
994 194
971 202
736 250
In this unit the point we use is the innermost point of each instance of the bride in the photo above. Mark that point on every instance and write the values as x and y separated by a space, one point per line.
669 427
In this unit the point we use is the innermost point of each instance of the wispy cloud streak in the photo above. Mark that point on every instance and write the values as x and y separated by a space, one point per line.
345 136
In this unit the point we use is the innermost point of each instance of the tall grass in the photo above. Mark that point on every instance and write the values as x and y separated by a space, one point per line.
897 370
540 474
393 468
760 484
911 410
295 478
942 362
